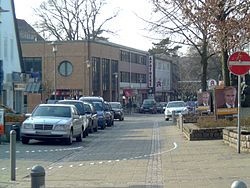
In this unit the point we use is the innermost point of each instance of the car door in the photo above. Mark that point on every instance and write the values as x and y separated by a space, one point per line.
77 122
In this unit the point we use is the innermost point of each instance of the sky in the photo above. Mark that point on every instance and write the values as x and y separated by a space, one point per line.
130 30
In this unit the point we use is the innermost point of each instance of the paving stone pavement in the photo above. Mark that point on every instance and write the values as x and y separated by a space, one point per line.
141 152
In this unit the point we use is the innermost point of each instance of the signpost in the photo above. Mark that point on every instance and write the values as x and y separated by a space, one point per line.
239 64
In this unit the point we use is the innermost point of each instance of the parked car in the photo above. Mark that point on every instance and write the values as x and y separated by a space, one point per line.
148 105
159 108
53 121
118 110
91 116
109 114
80 107
178 107
98 103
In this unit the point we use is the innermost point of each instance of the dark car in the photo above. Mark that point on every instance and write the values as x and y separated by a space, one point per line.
109 114
91 116
148 105
118 110
98 104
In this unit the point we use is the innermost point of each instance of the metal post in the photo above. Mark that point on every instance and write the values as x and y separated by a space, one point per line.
239 131
238 184
54 49
181 122
13 155
37 177
173 117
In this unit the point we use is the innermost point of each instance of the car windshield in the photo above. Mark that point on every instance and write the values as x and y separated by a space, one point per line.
55 111
98 106
148 102
115 105
78 105
176 104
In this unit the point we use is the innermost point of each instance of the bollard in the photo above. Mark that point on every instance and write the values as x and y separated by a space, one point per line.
37 177
13 155
181 122
173 117
238 184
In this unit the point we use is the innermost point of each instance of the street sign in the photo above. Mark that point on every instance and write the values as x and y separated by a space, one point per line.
239 63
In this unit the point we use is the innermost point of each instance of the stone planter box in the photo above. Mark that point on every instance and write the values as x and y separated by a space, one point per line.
192 132
230 138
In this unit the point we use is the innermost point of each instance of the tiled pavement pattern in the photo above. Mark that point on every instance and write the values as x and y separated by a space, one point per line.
141 152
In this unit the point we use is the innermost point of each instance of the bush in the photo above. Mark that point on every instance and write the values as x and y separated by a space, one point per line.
204 123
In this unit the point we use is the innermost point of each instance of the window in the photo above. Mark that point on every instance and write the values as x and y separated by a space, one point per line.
65 68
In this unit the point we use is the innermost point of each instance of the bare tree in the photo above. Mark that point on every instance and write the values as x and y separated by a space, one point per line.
184 26
231 20
73 19
210 26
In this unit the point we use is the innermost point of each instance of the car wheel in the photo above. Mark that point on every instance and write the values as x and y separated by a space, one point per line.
166 119
69 140
25 140
79 137
96 128
84 133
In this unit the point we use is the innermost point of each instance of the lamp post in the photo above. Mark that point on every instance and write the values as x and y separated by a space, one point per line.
116 86
90 76
54 49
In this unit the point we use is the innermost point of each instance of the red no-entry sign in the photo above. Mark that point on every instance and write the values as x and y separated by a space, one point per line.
239 63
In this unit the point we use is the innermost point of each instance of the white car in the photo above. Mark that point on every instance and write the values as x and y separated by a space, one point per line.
178 107
53 121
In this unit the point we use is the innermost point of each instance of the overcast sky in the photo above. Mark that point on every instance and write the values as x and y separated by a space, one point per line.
130 29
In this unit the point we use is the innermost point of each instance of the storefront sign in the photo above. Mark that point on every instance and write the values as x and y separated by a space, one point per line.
151 72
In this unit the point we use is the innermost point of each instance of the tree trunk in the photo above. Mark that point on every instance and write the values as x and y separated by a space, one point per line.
204 72
225 71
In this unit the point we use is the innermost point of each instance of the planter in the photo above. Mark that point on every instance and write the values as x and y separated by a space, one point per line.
230 138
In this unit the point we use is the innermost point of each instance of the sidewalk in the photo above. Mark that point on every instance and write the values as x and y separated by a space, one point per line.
174 162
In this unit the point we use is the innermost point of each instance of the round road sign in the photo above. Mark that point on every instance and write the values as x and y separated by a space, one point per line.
239 63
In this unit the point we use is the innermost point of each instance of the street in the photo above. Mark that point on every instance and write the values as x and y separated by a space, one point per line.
141 151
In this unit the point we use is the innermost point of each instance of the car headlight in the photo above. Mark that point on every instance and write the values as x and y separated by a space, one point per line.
169 112
28 126
60 127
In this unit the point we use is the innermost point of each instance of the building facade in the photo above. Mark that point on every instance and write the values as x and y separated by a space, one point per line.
11 75
76 68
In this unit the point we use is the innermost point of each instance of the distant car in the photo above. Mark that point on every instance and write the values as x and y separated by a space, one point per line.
98 103
159 108
53 121
118 110
109 114
80 107
148 105
178 107
92 117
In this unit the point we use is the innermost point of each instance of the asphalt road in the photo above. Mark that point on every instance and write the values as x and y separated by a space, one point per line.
142 151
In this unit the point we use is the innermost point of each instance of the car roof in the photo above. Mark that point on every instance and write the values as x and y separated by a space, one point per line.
91 97
69 100
175 101
62 105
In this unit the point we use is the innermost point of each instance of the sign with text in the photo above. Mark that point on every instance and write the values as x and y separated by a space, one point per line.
151 72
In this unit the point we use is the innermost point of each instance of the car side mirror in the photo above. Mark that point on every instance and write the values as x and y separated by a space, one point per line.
27 115
76 116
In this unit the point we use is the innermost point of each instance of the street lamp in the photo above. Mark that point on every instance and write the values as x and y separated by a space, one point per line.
116 86
90 76
54 49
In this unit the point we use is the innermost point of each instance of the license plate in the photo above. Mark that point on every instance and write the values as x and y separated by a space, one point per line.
43 132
